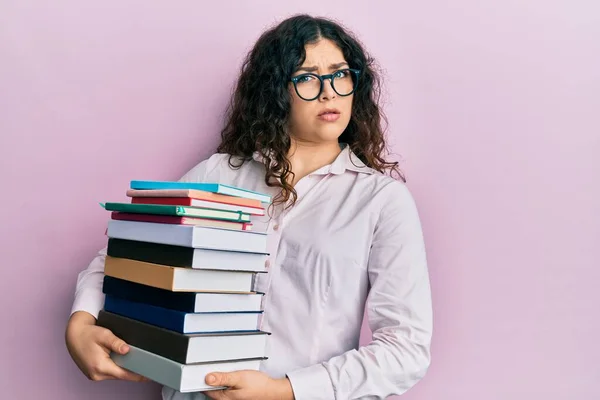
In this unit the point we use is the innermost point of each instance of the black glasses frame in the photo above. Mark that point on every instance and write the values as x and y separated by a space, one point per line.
322 79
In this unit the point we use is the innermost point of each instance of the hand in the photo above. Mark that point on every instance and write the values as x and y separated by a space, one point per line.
248 385
90 346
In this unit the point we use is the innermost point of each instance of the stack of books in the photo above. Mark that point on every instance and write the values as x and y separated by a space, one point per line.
179 273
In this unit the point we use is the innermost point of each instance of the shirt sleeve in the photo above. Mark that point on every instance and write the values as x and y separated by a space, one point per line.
399 314
88 291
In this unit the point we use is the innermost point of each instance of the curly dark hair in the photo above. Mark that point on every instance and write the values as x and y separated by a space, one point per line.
258 113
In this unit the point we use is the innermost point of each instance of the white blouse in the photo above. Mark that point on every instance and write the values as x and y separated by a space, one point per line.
352 240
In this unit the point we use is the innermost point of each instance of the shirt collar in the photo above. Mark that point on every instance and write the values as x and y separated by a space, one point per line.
345 161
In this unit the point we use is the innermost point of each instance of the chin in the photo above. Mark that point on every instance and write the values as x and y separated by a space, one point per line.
323 133
330 133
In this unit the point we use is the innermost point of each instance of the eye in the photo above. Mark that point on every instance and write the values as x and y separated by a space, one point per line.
341 73
304 78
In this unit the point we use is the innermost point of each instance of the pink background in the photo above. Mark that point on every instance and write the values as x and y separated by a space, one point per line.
493 106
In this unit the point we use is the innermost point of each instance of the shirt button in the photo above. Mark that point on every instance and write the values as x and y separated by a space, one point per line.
267 264
276 227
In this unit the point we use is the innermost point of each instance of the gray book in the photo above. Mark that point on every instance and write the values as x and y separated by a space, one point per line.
182 377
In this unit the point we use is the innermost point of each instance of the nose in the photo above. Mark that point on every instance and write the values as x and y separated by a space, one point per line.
328 92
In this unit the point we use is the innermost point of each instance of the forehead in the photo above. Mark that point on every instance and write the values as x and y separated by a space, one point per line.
323 52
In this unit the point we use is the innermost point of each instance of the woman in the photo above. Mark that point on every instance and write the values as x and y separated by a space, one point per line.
305 126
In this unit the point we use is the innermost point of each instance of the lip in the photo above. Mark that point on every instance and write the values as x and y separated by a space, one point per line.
329 114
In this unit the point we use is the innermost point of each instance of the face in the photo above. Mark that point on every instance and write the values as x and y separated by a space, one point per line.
324 119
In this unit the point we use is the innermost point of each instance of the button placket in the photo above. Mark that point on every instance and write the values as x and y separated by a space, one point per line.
273 229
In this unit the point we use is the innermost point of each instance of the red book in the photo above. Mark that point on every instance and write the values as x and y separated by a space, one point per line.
195 194
168 219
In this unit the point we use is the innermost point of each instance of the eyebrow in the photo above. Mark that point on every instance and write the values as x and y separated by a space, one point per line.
315 68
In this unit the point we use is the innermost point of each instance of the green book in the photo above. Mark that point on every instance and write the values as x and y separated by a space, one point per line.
180 211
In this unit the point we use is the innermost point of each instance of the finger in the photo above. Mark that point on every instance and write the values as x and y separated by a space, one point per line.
99 377
115 372
104 377
229 379
113 343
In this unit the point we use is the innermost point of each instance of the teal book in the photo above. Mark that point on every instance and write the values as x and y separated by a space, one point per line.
179 211
204 186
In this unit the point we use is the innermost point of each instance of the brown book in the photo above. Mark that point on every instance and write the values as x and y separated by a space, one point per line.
178 279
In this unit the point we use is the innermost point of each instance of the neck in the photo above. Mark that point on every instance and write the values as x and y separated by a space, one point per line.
308 157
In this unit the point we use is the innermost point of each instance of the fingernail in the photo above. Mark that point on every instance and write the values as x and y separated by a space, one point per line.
211 379
124 348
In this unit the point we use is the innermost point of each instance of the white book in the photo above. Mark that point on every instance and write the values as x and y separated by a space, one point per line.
189 236
182 377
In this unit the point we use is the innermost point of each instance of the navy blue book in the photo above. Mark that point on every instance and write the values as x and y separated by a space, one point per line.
189 302
183 322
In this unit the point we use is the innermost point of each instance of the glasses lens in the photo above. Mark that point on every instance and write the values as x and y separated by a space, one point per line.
308 86
344 82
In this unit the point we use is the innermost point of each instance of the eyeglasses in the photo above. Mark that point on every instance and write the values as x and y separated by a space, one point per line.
309 86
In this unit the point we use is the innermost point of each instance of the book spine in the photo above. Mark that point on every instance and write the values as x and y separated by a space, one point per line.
157 368
155 253
153 315
180 301
156 340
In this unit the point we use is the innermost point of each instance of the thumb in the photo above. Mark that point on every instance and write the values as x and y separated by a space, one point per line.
229 379
115 344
